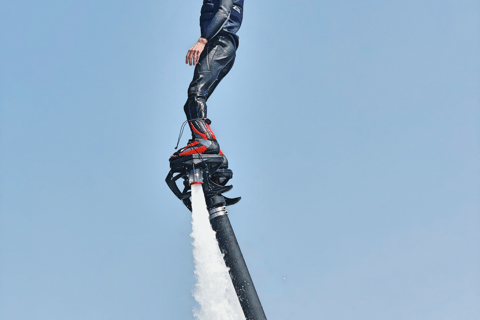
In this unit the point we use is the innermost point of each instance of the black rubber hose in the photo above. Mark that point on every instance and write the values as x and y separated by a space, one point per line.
242 282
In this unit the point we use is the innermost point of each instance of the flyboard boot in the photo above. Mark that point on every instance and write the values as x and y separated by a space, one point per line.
203 139
201 153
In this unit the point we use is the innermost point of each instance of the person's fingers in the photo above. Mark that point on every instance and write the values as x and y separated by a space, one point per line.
191 57
196 56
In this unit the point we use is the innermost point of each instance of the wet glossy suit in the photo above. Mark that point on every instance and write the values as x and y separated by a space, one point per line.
215 62
219 21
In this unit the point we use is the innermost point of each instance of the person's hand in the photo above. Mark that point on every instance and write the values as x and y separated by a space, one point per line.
193 55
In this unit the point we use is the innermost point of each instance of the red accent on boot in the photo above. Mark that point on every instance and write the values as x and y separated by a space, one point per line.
194 143
211 132
204 136
200 149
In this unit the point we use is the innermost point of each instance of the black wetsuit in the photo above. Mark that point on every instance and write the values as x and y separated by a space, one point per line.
219 22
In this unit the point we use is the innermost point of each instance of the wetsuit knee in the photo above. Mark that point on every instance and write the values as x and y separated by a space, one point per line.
195 107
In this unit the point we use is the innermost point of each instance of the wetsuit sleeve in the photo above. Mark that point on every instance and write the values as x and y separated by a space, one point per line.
218 20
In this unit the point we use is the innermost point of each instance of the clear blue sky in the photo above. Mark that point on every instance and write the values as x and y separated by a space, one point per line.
352 128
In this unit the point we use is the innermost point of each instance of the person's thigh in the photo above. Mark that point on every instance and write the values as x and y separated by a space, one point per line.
215 62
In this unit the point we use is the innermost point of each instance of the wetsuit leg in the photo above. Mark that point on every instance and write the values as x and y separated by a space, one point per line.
215 62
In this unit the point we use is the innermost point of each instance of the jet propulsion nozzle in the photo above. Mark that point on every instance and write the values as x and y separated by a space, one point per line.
215 175
195 176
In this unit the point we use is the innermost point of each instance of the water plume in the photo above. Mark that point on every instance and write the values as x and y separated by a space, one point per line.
213 290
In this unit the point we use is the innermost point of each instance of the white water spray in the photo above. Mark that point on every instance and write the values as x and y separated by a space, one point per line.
214 290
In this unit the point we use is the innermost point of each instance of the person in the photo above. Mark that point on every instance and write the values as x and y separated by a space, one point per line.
213 56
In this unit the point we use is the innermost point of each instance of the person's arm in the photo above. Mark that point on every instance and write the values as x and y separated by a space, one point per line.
217 23
218 20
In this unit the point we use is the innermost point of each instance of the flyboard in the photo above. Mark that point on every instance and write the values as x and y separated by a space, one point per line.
212 172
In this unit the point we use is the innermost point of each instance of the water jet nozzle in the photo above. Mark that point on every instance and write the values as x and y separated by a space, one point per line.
195 176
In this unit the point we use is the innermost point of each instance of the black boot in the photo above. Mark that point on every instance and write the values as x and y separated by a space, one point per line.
203 139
